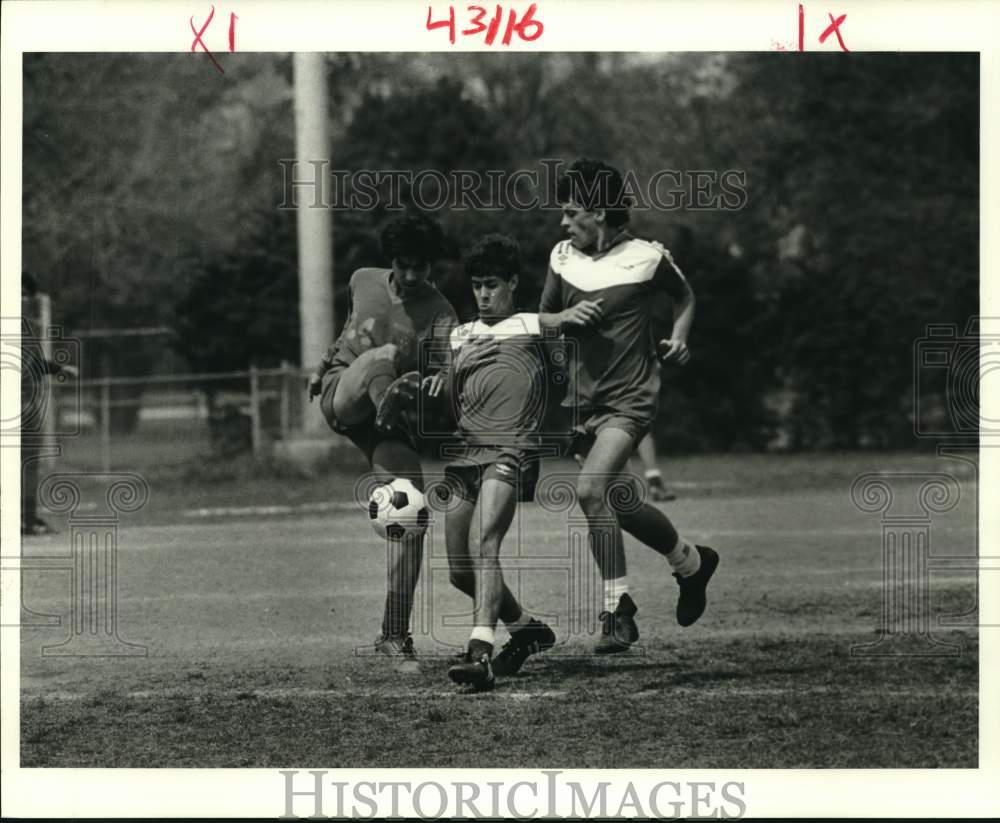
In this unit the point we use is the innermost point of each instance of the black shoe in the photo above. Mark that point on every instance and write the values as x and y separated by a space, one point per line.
475 673
691 603
402 392
618 629
534 638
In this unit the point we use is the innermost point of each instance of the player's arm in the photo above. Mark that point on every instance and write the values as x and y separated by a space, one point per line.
440 356
672 280
467 354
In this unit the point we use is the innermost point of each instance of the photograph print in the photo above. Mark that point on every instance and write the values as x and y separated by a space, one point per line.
499 410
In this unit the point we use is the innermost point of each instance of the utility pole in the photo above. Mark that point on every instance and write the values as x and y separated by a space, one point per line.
315 224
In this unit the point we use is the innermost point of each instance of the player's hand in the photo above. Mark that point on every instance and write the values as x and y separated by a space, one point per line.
584 313
673 351
407 386
314 385
477 351
434 385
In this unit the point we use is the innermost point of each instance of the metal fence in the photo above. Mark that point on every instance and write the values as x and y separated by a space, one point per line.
136 422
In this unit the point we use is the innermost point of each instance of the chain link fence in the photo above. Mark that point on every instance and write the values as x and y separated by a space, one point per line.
141 422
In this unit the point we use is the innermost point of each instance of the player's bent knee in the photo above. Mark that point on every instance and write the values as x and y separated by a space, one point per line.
489 547
390 351
590 494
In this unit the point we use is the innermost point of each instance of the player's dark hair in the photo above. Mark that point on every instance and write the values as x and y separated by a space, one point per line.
594 185
413 236
494 255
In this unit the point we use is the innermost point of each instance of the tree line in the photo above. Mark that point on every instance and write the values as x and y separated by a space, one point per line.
151 189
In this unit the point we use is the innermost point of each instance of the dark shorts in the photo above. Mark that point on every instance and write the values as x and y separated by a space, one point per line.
593 421
364 435
517 467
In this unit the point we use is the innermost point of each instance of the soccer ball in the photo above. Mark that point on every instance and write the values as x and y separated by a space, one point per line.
398 509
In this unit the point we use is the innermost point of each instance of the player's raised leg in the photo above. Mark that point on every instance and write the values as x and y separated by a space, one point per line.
360 388
391 459
692 566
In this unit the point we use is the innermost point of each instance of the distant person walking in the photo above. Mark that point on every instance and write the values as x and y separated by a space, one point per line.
35 367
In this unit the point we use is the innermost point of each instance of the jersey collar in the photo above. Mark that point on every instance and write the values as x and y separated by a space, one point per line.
616 241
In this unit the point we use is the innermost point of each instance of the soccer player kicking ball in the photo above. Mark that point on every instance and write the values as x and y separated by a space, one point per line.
598 290
497 392
367 377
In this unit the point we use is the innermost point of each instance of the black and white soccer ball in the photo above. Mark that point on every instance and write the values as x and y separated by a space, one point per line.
398 509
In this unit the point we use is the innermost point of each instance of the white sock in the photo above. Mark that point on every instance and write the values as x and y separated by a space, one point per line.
613 590
652 473
484 634
684 558
521 622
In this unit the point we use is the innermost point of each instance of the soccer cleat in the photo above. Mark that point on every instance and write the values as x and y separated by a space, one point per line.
618 629
401 392
475 673
658 492
692 600
401 650
534 638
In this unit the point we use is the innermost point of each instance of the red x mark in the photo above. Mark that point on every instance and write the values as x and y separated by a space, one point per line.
834 28
197 39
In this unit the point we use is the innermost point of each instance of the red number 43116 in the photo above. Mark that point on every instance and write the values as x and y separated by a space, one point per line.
527 28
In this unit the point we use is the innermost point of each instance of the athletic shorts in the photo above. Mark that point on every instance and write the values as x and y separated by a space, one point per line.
518 467
595 420
364 435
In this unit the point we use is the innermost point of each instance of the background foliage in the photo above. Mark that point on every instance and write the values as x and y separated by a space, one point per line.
151 184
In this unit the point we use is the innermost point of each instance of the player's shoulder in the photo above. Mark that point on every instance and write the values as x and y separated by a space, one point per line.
560 253
523 324
369 275
652 249
461 333
654 254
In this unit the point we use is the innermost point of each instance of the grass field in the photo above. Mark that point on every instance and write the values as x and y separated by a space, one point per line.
256 625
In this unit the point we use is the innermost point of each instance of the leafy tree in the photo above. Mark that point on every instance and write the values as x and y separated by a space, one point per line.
242 309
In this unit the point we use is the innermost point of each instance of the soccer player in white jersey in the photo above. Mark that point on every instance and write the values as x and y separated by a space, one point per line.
598 290
499 405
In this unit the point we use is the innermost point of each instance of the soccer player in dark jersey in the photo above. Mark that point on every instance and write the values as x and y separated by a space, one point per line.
499 404
598 290
368 375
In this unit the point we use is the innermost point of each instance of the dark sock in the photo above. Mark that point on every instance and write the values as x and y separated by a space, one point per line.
510 609
477 648
396 618
650 526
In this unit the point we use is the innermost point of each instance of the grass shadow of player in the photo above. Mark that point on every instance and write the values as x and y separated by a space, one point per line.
667 673
597 665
